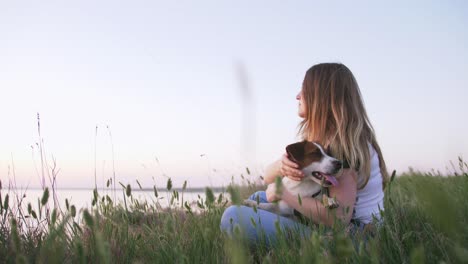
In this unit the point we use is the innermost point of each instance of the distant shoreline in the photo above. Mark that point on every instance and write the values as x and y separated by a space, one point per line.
191 190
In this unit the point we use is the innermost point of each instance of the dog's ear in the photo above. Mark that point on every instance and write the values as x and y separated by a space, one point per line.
310 147
296 152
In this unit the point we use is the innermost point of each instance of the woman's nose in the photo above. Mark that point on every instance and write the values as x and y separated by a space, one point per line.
298 96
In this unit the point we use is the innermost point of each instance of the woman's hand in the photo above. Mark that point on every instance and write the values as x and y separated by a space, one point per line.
290 169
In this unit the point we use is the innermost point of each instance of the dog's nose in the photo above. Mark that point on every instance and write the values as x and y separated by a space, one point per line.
337 164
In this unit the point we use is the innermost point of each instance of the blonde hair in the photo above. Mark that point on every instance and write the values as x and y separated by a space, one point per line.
336 118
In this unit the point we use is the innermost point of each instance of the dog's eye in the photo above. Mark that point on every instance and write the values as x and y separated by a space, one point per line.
317 175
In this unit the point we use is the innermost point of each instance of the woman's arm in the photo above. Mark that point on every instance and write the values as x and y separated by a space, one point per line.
345 193
272 171
282 167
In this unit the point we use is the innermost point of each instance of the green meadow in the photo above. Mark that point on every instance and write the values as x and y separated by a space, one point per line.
425 221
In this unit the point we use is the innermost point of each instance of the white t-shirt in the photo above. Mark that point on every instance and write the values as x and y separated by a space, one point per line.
370 199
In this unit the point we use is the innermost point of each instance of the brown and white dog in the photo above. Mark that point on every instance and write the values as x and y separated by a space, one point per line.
318 168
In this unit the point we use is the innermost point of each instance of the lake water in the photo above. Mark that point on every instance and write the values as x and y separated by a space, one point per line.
82 198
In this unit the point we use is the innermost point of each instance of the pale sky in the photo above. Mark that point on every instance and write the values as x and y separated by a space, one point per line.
166 78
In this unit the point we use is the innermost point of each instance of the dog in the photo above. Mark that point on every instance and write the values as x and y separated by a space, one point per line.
318 168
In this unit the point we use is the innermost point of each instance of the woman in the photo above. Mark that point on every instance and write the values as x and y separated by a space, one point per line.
333 113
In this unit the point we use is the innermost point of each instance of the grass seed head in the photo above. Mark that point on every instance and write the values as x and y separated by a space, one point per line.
88 218
209 196
235 195
128 190
169 184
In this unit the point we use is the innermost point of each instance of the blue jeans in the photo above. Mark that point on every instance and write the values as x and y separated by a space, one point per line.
261 225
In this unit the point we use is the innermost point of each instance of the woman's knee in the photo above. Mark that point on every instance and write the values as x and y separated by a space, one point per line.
229 218
260 195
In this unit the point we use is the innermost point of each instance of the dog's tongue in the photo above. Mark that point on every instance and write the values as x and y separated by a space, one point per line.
331 179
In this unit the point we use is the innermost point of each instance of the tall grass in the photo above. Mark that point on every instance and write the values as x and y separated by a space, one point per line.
425 221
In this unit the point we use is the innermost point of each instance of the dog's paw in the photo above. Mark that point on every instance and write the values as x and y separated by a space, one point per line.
250 203
329 202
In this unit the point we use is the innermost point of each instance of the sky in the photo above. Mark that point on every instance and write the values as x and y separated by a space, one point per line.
200 90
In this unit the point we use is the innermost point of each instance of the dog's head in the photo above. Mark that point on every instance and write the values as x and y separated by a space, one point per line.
314 162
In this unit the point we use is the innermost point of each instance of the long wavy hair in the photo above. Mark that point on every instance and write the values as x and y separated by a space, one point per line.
336 118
